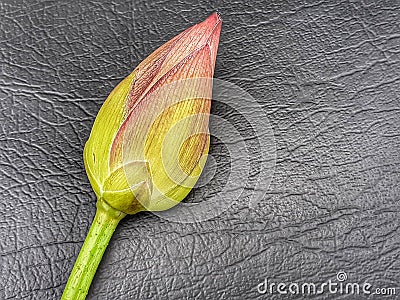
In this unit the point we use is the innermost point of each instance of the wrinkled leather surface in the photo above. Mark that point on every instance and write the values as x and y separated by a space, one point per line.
327 75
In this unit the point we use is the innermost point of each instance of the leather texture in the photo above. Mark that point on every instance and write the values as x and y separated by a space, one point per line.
327 74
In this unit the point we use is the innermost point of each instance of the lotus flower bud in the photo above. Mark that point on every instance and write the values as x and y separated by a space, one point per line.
149 142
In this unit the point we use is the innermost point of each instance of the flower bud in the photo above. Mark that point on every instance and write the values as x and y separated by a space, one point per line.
149 142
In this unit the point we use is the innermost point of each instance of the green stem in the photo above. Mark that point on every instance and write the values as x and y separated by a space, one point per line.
103 226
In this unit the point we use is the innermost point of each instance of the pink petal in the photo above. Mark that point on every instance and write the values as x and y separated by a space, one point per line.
168 90
172 53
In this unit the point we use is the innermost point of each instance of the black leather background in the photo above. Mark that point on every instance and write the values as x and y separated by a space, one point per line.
327 74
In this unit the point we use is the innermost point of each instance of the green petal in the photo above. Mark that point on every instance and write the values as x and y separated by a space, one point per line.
96 154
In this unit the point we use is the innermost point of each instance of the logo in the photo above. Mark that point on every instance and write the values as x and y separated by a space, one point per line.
340 285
